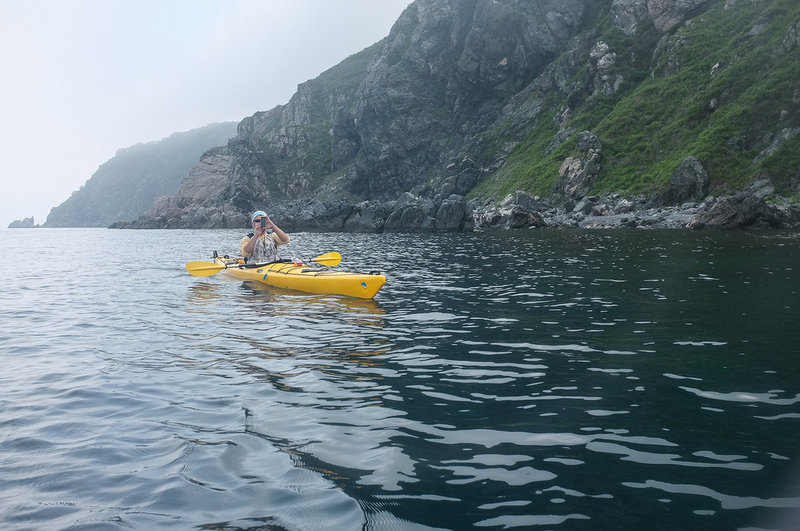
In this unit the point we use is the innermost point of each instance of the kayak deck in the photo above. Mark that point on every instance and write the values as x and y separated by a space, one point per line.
306 278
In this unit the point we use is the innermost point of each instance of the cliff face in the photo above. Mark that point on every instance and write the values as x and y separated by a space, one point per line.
446 75
479 98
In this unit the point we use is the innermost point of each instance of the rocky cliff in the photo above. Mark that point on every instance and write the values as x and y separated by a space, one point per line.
654 103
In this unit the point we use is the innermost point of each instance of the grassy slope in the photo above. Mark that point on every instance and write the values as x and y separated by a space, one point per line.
656 121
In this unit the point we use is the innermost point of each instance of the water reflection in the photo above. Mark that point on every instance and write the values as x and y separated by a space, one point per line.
291 300
204 294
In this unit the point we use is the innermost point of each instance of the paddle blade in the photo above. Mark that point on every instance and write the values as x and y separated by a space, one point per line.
203 269
328 259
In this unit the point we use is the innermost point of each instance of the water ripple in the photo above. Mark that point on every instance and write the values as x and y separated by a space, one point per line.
557 379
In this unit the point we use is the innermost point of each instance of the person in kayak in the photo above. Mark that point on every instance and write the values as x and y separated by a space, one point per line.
261 246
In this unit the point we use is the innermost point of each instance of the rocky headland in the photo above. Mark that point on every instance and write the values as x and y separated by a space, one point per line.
474 114
126 185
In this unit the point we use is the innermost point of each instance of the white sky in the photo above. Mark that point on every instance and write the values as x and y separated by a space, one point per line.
80 79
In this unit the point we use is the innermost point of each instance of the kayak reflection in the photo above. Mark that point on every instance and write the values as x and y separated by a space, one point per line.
270 294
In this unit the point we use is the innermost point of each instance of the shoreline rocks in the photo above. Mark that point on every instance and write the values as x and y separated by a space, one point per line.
409 213
747 209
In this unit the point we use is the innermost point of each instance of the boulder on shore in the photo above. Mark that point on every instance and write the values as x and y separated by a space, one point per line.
743 210
689 182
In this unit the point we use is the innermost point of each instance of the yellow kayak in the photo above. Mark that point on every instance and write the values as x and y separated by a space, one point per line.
303 277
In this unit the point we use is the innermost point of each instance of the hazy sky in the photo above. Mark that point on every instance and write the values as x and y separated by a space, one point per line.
83 78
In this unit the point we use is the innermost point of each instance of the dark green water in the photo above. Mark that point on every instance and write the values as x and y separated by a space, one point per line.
536 379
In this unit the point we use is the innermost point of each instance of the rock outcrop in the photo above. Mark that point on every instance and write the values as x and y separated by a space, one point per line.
664 15
667 14
578 174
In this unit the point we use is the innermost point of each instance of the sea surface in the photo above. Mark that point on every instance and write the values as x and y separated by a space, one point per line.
538 379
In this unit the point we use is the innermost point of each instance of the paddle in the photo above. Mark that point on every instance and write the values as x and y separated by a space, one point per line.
206 269
328 259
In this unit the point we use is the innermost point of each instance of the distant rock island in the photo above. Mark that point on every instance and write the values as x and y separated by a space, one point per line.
26 223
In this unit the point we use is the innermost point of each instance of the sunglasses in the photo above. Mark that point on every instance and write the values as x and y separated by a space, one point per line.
257 220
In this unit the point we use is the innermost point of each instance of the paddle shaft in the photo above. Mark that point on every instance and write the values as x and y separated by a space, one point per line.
206 269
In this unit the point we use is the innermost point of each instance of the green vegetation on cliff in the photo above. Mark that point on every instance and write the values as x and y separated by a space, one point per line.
723 87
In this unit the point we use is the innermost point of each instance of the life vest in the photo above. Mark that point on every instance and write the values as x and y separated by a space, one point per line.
265 250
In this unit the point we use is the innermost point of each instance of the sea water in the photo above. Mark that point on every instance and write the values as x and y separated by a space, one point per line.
568 379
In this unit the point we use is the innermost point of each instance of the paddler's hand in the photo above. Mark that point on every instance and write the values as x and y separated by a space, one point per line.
270 224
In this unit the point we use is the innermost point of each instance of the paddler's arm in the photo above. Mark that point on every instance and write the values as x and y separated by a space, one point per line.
243 245
248 243
282 237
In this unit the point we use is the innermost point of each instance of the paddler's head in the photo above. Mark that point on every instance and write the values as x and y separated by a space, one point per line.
254 217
